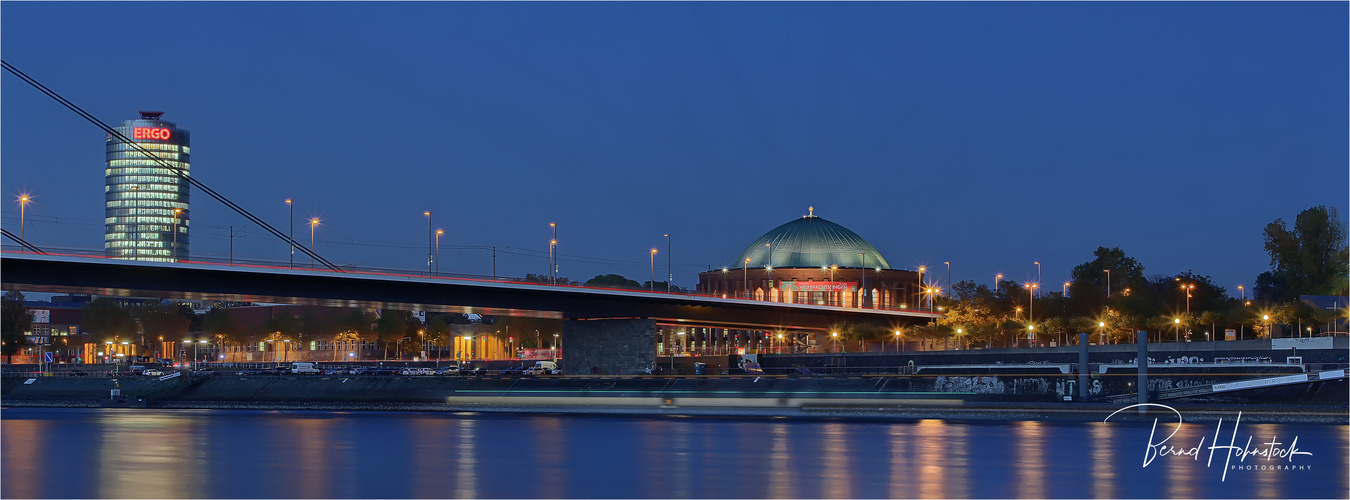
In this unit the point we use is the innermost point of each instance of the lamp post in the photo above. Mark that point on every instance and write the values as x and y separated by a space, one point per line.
922 270
669 274
1031 302
1266 319
651 279
314 222
1064 292
862 292
1101 333
780 343
898 346
1038 274
176 211
431 256
555 348
1031 334
949 272
1177 330
997 278
23 208
1108 283
959 334
290 217
439 232
835 336
745 270
1242 326
769 289
553 254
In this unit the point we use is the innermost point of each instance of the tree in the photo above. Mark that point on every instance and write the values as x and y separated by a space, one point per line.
612 280
1310 260
390 328
163 321
544 278
105 318
219 324
1088 289
14 321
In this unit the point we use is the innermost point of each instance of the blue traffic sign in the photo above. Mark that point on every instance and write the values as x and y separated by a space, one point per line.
47 356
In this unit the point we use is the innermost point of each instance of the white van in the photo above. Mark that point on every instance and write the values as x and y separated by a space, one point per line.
308 368
542 368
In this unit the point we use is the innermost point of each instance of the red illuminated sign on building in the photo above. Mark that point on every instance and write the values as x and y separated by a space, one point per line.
150 133
820 286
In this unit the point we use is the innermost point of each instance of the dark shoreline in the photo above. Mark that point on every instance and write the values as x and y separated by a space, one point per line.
1066 412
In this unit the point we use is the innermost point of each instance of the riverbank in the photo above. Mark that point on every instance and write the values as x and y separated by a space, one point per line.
862 410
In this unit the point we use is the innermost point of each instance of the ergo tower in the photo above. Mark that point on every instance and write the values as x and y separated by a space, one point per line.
145 202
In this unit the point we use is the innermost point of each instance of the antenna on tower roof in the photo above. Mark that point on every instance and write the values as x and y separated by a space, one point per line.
151 115
810 211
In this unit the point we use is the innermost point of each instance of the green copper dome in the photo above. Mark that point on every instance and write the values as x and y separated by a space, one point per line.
811 242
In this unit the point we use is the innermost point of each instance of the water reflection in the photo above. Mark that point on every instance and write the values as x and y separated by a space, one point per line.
22 457
931 444
1103 462
837 481
1030 461
247 454
148 455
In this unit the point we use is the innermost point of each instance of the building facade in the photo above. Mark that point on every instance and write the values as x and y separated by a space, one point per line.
147 209
814 261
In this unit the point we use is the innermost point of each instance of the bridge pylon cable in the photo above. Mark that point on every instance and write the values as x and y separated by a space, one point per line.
176 170
25 244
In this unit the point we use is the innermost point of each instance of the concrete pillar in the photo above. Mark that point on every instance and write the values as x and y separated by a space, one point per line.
1142 340
1082 367
613 346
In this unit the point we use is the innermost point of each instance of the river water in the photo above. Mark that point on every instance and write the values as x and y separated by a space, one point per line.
138 453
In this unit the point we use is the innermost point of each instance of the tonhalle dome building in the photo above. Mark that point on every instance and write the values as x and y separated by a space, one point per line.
814 261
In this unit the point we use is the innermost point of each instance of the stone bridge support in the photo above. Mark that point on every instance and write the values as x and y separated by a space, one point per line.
614 346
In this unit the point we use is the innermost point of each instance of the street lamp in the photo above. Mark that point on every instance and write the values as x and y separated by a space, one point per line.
670 276
651 280
949 272
770 268
555 348
553 254
176 211
835 336
439 232
1177 322
780 342
1108 283
290 217
1266 319
1101 333
1242 326
1064 292
745 270
959 334
898 346
922 270
997 278
862 298
314 222
23 208
431 256
1038 274
1031 304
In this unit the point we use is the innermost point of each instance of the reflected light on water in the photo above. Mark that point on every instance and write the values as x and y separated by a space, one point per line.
466 473
930 437
1030 461
901 470
1182 474
680 432
148 455
780 476
22 456
1267 483
430 436
958 466
310 440
1103 460
549 434
838 480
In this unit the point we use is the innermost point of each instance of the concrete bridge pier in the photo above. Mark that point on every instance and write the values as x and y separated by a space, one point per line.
613 346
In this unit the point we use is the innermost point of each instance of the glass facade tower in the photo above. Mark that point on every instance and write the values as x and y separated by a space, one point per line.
146 215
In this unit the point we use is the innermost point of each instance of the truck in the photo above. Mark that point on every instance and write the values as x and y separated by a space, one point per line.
305 368
542 368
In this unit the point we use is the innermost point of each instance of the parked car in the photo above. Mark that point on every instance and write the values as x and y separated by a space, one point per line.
449 370
475 371
305 368
152 373
252 371
417 371
514 370
336 371
77 373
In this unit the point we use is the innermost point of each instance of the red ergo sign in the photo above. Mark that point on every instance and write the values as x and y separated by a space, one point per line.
150 133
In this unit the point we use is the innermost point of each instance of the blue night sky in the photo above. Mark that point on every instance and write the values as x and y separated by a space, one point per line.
990 135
